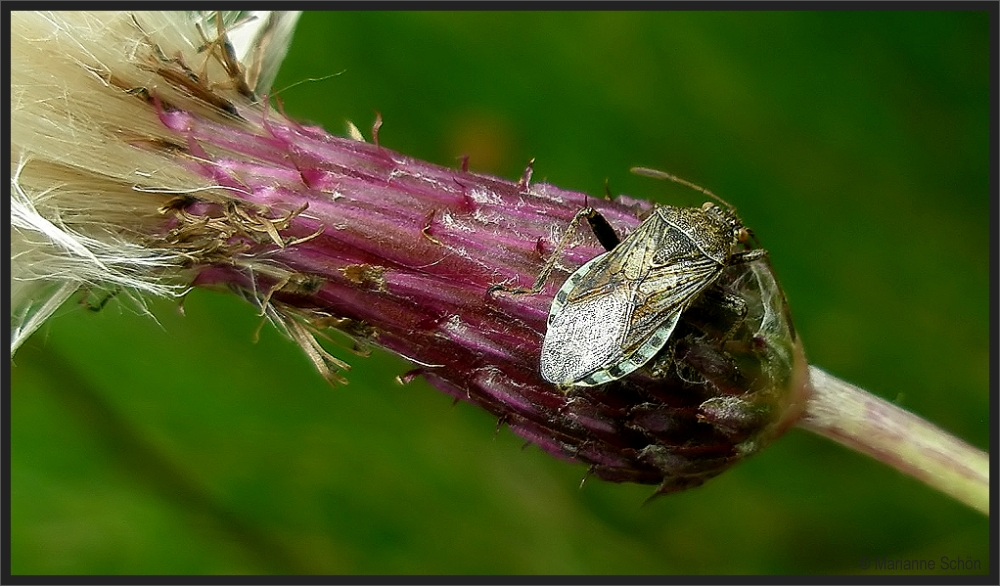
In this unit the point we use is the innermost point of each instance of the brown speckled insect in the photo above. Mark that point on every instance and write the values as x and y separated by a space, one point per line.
617 311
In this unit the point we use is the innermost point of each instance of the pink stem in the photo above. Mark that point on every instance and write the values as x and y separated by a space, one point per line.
865 423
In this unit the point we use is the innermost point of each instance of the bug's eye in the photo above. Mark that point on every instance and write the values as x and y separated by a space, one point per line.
707 206
743 235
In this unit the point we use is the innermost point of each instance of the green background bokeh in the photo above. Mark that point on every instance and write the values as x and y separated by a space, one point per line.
855 144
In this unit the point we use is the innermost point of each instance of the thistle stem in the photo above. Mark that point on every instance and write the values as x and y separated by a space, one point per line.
865 423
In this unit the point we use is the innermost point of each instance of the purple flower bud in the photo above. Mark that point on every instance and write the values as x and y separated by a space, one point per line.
394 252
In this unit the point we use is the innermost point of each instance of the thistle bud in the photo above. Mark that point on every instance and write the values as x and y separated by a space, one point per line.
327 234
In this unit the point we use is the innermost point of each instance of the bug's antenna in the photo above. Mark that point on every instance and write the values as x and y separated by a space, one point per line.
655 174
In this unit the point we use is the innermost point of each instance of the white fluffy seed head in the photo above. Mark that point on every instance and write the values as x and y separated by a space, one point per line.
82 196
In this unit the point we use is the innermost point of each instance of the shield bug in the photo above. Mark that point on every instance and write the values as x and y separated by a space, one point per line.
618 310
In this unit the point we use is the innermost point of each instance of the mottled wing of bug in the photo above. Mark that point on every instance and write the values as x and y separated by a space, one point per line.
582 337
619 309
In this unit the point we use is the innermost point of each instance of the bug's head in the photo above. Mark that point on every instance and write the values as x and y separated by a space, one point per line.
728 217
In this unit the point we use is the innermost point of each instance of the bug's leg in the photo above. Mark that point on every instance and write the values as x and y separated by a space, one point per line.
659 366
719 312
744 256
724 313
601 228
737 307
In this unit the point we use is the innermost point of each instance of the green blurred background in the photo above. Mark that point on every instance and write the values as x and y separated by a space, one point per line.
855 144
